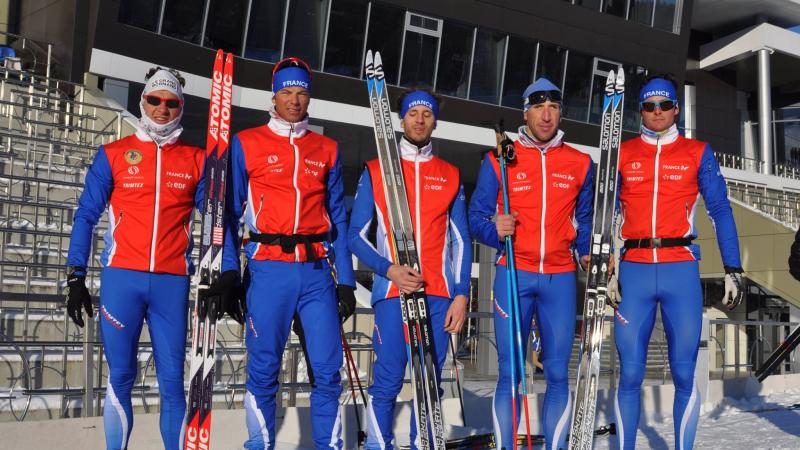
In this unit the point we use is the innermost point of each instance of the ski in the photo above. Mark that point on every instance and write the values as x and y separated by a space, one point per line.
414 306
583 414
779 355
197 431
487 441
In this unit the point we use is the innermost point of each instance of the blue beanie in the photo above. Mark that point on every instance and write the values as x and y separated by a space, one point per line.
658 87
542 84
419 98
291 77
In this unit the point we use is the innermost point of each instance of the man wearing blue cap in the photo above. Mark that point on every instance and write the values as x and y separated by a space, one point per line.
439 212
287 182
662 176
550 188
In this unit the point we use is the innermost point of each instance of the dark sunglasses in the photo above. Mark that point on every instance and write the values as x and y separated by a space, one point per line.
290 62
154 100
665 105
543 96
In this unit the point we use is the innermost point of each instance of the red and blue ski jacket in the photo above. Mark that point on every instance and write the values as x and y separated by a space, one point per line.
438 210
662 177
552 189
150 192
288 180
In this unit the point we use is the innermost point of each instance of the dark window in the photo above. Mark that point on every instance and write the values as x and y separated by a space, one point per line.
615 7
577 83
665 15
591 4
599 79
140 13
305 30
550 62
226 25
520 59
634 76
419 59
183 19
642 11
385 34
265 30
345 46
487 67
455 57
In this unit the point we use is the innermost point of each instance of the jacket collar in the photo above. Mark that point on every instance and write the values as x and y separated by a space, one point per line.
162 141
411 152
530 142
283 128
667 136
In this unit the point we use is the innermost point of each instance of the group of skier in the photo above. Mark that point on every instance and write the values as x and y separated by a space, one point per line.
286 187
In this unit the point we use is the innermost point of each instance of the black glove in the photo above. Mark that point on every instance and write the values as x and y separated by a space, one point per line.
78 297
219 295
347 301
237 306
794 257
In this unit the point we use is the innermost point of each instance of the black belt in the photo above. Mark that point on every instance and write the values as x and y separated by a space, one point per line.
658 242
288 242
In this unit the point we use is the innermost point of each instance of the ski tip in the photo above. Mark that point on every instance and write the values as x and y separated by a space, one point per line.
220 54
229 58
620 82
610 84
378 66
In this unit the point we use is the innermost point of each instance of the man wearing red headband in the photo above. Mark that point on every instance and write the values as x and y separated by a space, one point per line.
287 183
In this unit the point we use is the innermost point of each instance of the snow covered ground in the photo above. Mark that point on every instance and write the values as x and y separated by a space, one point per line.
757 423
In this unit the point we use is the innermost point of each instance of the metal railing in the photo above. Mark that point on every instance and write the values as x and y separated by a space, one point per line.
741 346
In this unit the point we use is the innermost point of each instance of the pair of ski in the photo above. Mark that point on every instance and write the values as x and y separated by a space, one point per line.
583 414
197 431
414 305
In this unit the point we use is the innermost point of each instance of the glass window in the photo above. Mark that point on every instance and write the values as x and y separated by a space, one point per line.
634 77
641 11
225 25
599 79
265 30
520 60
420 50
615 7
550 62
140 13
487 66
183 19
305 30
386 24
591 4
345 46
455 57
665 15
577 83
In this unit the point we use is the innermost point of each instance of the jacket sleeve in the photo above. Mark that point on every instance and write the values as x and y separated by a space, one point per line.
337 211
360 221
98 184
715 193
584 211
461 244
483 206
794 257
235 199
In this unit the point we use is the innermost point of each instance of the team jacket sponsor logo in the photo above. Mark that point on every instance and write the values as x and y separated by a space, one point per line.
314 167
111 319
682 167
133 170
133 156
434 183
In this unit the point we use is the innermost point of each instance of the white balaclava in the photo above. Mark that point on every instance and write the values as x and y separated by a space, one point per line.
161 80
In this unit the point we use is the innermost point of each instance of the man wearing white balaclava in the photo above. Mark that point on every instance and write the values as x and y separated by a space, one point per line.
150 182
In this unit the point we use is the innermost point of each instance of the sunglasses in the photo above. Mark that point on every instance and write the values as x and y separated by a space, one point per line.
290 62
665 105
154 100
543 96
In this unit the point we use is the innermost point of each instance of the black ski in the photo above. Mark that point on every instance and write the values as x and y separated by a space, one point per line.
779 355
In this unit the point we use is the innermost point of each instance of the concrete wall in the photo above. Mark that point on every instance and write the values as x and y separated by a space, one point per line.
718 117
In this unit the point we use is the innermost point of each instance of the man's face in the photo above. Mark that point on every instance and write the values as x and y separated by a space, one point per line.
658 120
418 124
291 103
543 120
161 113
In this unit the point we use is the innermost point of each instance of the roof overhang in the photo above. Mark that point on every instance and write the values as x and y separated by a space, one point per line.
743 44
717 16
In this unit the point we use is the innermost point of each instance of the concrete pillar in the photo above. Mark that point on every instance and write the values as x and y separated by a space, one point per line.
765 109
487 353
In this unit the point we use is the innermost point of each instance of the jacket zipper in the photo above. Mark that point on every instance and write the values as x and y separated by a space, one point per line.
544 212
156 207
418 234
296 189
655 197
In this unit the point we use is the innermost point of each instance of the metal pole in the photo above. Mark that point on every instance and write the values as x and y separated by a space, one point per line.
88 368
765 109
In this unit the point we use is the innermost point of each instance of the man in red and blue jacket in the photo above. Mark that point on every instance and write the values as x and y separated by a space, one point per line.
661 178
550 188
287 183
150 181
439 212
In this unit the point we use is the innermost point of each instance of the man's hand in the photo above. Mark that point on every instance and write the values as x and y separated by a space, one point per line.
614 292
505 224
347 301
78 297
222 293
733 287
586 259
456 314
405 278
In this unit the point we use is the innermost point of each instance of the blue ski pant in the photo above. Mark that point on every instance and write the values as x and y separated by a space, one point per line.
676 288
127 299
551 299
391 352
277 290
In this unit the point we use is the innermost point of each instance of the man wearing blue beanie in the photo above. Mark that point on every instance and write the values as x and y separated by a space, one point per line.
287 183
551 200
662 176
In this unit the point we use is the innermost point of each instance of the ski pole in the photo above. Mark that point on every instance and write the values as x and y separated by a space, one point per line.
458 380
351 366
505 152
